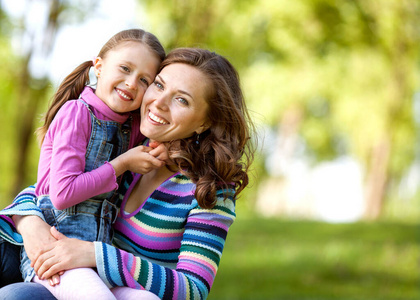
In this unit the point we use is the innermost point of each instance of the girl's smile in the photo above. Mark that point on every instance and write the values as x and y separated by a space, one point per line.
124 95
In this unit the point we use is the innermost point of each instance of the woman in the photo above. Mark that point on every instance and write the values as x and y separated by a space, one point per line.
173 222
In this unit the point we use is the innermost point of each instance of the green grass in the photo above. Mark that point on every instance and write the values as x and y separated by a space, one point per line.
280 259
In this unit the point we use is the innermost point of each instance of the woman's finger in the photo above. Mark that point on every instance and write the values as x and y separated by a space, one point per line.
40 260
50 268
45 248
57 234
43 263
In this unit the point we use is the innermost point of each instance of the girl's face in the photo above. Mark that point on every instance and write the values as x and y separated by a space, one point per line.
124 75
175 106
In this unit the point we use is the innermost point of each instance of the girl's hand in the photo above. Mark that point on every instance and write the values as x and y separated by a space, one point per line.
159 151
55 279
140 159
64 254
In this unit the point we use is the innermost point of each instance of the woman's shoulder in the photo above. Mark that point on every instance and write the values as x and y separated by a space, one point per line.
226 200
182 179
225 196
179 187
184 182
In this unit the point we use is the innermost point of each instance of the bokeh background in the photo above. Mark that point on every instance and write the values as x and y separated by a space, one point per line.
332 211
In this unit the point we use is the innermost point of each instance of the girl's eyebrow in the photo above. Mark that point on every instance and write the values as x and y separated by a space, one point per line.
126 61
180 91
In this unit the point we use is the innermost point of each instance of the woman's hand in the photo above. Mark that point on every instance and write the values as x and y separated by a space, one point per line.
64 254
35 233
36 236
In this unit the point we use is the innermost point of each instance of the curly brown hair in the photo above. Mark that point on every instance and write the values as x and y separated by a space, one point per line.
73 85
224 152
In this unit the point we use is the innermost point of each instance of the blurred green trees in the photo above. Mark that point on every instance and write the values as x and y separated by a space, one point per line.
340 74
23 95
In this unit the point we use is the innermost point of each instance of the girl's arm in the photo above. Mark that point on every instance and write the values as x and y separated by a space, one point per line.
63 152
62 160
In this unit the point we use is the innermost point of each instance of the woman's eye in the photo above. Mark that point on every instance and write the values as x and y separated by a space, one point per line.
158 85
182 101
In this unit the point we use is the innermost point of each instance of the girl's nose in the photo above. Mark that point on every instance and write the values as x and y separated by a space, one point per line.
131 83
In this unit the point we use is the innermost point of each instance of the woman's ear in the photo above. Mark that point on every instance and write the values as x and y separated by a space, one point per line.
203 128
97 66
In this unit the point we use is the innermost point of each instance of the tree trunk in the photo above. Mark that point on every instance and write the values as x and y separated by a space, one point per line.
377 178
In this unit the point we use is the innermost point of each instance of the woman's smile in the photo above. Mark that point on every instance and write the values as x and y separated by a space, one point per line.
157 119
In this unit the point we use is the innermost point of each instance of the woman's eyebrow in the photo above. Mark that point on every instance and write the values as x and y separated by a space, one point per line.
180 91
160 78
185 93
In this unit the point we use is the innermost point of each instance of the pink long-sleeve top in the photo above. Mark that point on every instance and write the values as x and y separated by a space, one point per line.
62 160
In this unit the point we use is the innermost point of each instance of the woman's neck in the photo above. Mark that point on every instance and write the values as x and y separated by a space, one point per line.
159 175
146 185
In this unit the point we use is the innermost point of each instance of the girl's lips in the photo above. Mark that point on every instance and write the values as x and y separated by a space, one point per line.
125 95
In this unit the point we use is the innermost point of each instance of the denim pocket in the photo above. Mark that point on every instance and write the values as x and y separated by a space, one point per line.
53 217
109 212
104 154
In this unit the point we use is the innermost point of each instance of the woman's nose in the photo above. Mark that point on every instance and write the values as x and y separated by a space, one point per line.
161 101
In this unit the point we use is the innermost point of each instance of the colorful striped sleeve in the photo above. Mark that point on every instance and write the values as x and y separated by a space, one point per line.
200 252
23 204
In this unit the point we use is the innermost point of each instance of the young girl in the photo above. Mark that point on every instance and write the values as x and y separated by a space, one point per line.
81 137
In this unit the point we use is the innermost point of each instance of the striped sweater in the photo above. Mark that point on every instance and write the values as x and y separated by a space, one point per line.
169 246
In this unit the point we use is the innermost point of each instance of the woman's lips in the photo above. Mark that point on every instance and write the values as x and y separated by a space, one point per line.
157 119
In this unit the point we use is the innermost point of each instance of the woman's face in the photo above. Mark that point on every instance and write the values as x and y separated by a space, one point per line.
175 106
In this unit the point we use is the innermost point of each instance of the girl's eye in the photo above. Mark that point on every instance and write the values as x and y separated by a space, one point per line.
182 101
144 80
124 68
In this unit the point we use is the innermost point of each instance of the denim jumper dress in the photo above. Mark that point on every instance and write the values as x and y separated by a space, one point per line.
92 219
